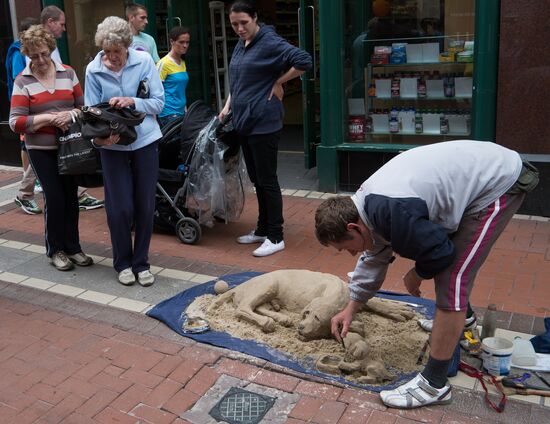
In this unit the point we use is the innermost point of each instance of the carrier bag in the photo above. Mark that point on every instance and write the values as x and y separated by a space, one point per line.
102 120
75 153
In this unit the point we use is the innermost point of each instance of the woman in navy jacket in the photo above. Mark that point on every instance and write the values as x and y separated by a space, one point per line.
261 63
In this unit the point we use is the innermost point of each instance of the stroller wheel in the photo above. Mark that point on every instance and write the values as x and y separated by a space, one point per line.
188 231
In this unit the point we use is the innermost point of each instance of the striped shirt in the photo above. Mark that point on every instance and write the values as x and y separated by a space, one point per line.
31 98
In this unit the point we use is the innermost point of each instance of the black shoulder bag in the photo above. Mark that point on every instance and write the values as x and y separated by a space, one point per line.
102 120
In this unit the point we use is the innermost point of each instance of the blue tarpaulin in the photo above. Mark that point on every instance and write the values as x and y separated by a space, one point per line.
172 313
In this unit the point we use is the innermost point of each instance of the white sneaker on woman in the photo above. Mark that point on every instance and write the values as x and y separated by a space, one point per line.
251 238
126 277
145 278
269 248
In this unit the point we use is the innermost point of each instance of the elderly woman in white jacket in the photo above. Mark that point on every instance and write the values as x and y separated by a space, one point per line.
129 172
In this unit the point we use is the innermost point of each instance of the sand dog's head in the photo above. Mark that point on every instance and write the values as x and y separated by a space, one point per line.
315 321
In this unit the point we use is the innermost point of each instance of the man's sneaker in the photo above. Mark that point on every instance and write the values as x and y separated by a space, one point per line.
37 187
416 393
251 238
29 206
81 259
87 202
126 277
427 324
145 278
268 248
61 261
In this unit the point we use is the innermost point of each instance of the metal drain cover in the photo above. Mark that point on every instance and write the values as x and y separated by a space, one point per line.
240 406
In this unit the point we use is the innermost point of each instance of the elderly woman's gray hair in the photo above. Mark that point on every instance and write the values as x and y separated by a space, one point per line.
113 31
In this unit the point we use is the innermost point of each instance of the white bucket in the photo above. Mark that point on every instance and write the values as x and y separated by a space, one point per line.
497 355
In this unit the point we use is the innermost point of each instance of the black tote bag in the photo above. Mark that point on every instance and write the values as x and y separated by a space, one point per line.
75 153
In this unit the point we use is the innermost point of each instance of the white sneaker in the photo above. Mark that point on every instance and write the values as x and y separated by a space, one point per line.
145 278
416 393
427 324
126 277
251 238
268 248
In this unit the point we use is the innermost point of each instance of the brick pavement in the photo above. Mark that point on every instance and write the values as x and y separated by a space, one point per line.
66 360
63 360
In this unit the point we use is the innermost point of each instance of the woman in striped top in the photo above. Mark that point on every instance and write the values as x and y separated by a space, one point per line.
44 94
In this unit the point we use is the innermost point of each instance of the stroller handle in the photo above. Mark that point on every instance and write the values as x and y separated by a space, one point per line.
226 119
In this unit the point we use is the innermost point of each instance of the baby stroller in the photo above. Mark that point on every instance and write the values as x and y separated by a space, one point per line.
178 168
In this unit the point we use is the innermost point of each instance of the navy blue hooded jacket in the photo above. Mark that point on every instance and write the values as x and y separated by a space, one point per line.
252 72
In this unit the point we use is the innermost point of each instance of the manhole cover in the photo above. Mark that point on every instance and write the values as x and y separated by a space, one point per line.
241 406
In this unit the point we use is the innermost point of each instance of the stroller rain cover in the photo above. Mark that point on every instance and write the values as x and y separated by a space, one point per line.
218 181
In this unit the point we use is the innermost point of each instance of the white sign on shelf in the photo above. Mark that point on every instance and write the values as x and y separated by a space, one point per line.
463 87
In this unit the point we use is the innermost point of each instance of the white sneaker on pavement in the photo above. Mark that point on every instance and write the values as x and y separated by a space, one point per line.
427 324
126 277
416 393
145 278
251 238
268 248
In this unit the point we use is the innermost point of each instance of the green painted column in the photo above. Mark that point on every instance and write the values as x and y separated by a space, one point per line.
62 42
331 23
151 27
485 70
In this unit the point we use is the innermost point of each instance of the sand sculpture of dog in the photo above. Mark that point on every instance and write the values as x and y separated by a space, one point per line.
316 296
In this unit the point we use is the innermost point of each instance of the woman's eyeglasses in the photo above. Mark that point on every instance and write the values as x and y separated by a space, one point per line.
40 55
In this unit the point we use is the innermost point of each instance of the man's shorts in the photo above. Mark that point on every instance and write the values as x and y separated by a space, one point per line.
473 240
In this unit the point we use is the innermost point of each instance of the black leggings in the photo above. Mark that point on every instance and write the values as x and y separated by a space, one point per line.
260 155
60 203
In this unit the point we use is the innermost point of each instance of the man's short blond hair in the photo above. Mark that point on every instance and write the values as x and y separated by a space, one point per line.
36 36
332 218
133 9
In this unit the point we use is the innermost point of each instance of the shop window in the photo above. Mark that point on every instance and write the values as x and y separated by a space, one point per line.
408 70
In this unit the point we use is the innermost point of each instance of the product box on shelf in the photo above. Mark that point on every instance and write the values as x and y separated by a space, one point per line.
422 53
381 55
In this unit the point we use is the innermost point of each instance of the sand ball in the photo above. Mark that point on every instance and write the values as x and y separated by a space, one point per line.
221 287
